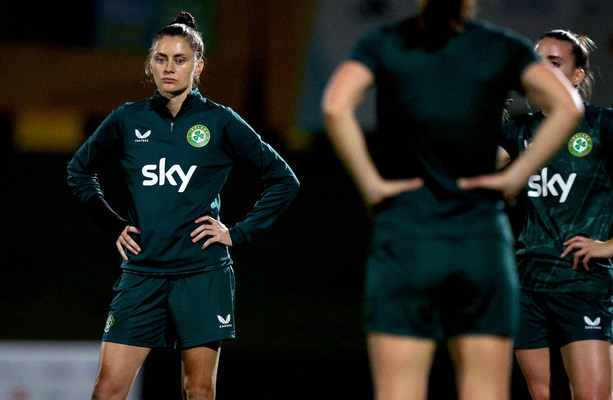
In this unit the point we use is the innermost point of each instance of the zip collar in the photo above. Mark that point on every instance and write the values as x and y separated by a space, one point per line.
159 102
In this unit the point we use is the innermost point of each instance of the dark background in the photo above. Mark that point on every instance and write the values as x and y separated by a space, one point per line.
299 285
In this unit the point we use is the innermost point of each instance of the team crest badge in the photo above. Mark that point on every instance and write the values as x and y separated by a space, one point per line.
580 144
198 135
110 321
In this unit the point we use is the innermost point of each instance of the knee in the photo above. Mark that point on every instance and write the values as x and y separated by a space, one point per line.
99 394
199 391
540 392
106 391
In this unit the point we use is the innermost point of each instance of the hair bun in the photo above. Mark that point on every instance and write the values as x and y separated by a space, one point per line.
185 18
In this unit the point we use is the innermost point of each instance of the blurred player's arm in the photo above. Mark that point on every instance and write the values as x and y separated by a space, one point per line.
564 109
344 92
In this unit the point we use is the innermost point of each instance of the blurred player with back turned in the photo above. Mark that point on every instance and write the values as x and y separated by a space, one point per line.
441 264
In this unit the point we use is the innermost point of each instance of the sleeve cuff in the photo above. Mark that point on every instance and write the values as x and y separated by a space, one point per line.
109 222
238 236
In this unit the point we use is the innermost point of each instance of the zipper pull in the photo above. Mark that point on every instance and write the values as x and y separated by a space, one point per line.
172 126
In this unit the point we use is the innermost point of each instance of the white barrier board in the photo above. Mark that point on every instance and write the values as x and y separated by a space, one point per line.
50 370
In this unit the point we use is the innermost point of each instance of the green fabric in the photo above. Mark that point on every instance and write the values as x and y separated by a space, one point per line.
174 170
571 195
183 311
441 259
439 111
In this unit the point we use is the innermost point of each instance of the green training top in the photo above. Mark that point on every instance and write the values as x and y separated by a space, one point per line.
571 195
174 170
439 109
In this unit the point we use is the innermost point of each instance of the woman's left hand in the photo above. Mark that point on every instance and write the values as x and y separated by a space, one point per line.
504 182
587 249
214 229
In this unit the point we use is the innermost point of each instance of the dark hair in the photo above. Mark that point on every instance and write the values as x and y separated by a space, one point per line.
582 47
184 25
439 20
444 14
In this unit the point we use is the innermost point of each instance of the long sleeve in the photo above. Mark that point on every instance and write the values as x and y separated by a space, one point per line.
280 182
82 170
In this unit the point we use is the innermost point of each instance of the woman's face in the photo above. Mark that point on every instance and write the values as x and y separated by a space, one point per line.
559 54
174 65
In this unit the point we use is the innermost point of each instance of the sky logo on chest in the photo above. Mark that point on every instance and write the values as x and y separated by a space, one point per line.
543 185
158 174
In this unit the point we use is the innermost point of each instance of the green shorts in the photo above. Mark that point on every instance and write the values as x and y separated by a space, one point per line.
180 311
439 287
556 319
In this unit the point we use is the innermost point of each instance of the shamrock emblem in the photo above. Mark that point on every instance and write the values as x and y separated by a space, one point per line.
198 135
580 144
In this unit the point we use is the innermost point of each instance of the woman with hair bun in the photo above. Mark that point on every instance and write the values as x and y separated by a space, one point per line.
176 150
441 266
564 249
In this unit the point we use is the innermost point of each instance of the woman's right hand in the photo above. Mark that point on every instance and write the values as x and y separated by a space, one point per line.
125 241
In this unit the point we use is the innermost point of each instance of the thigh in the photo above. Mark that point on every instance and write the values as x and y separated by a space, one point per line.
118 367
202 307
400 365
138 312
534 365
588 366
544 372
200 366
483 366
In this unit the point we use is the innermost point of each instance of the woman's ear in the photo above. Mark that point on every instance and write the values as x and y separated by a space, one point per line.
199 67
578 76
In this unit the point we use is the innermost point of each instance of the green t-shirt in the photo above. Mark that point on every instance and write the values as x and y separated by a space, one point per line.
438 116
571 195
